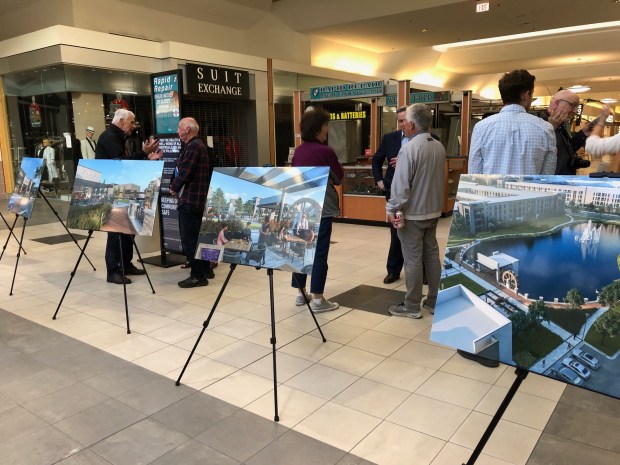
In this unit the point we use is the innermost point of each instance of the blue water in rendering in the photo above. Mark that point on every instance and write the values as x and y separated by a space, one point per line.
550 266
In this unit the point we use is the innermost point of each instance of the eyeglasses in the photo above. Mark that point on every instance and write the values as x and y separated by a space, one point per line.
570 104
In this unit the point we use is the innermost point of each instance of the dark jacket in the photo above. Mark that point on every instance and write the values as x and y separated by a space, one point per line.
567 148
111 145
389 148
192 174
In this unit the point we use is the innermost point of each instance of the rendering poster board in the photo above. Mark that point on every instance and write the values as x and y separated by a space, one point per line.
167 89
532 276
116 196
169 223
26 186
261 213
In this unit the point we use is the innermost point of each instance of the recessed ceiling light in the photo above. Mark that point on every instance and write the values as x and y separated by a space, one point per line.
608 100
424 30
578 88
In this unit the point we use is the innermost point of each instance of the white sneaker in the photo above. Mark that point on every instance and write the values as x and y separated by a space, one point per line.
324 306
299 300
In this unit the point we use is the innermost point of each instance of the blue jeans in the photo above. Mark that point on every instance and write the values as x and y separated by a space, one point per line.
319 267
190 219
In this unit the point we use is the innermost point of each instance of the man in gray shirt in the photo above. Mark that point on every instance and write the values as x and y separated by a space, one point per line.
418 192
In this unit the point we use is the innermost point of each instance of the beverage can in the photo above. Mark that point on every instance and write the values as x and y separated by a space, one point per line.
399 215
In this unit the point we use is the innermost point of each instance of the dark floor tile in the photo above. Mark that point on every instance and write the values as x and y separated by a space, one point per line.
553 450
45 447
194 453
241 435
293 448
585 426
155 396
99 422
36 385
591 401
120 379
18 366
351 459
65 402
195 413
139 444
370 298
380 305
85 457
60 239
18 422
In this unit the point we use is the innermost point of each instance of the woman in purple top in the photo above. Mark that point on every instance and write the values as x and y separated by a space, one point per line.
313 152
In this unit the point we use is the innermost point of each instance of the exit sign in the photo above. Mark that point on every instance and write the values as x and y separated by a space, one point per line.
482 7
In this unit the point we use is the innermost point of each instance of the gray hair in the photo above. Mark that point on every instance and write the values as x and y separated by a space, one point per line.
120 114
420 115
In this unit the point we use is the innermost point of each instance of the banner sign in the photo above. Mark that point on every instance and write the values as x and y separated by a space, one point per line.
420 97
169 218
342 91
167 89
212 81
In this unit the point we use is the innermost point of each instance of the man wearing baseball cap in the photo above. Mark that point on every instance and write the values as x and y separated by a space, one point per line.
89 143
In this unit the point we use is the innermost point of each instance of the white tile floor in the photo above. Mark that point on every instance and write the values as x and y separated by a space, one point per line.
378 388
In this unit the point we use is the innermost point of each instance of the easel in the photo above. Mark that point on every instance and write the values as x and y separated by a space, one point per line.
521 375
11 233
40 192
82 253
272 340
19 250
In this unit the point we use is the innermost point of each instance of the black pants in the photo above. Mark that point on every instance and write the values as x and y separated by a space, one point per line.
395 255
190 219
113 252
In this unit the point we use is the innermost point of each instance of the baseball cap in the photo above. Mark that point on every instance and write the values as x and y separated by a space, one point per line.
90 128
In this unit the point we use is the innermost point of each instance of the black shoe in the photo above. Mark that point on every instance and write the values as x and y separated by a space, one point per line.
134 270
210 274
390 278
193 282
487 362
117 278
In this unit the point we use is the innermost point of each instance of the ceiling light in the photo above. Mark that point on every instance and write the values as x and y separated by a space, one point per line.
608 100
578 88
527 35
126 92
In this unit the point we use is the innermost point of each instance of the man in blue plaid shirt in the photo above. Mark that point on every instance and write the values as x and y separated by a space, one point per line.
190 183
513 141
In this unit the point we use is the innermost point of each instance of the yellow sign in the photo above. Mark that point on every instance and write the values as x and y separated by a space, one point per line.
348 115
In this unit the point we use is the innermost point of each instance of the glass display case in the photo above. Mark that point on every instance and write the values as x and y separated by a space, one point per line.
361 198
358 180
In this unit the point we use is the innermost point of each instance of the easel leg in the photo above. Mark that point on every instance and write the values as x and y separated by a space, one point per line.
205 324
40 192
307 300
21 241
90 233
9 237
11 233
521 375
273 345
120 245
142 262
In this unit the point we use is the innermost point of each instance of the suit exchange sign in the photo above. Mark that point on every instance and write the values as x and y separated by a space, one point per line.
211 81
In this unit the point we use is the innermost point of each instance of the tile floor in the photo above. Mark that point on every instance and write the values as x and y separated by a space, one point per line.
81 390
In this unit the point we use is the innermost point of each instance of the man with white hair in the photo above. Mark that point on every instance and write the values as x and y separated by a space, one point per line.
417 191
111 145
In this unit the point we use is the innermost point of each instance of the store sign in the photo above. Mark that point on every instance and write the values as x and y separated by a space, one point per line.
211 81
347 115
420 97
342 91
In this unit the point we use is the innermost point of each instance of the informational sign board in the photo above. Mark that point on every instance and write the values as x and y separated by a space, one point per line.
531 276
266 217
169 218
167 92
26 186
421 97
344 91
115 196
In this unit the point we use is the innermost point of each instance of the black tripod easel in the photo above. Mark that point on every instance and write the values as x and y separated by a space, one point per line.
19 250
40 192
521 375
272 340
11 233
82 254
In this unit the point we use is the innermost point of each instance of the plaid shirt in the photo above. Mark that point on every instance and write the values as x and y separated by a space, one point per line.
512 142
192 174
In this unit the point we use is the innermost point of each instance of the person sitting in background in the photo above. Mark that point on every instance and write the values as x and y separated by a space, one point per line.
221 237
246 233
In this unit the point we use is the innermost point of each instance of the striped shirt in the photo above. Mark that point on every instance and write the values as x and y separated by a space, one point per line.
512 142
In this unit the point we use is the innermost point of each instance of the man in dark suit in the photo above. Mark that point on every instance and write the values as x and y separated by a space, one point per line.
388 150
